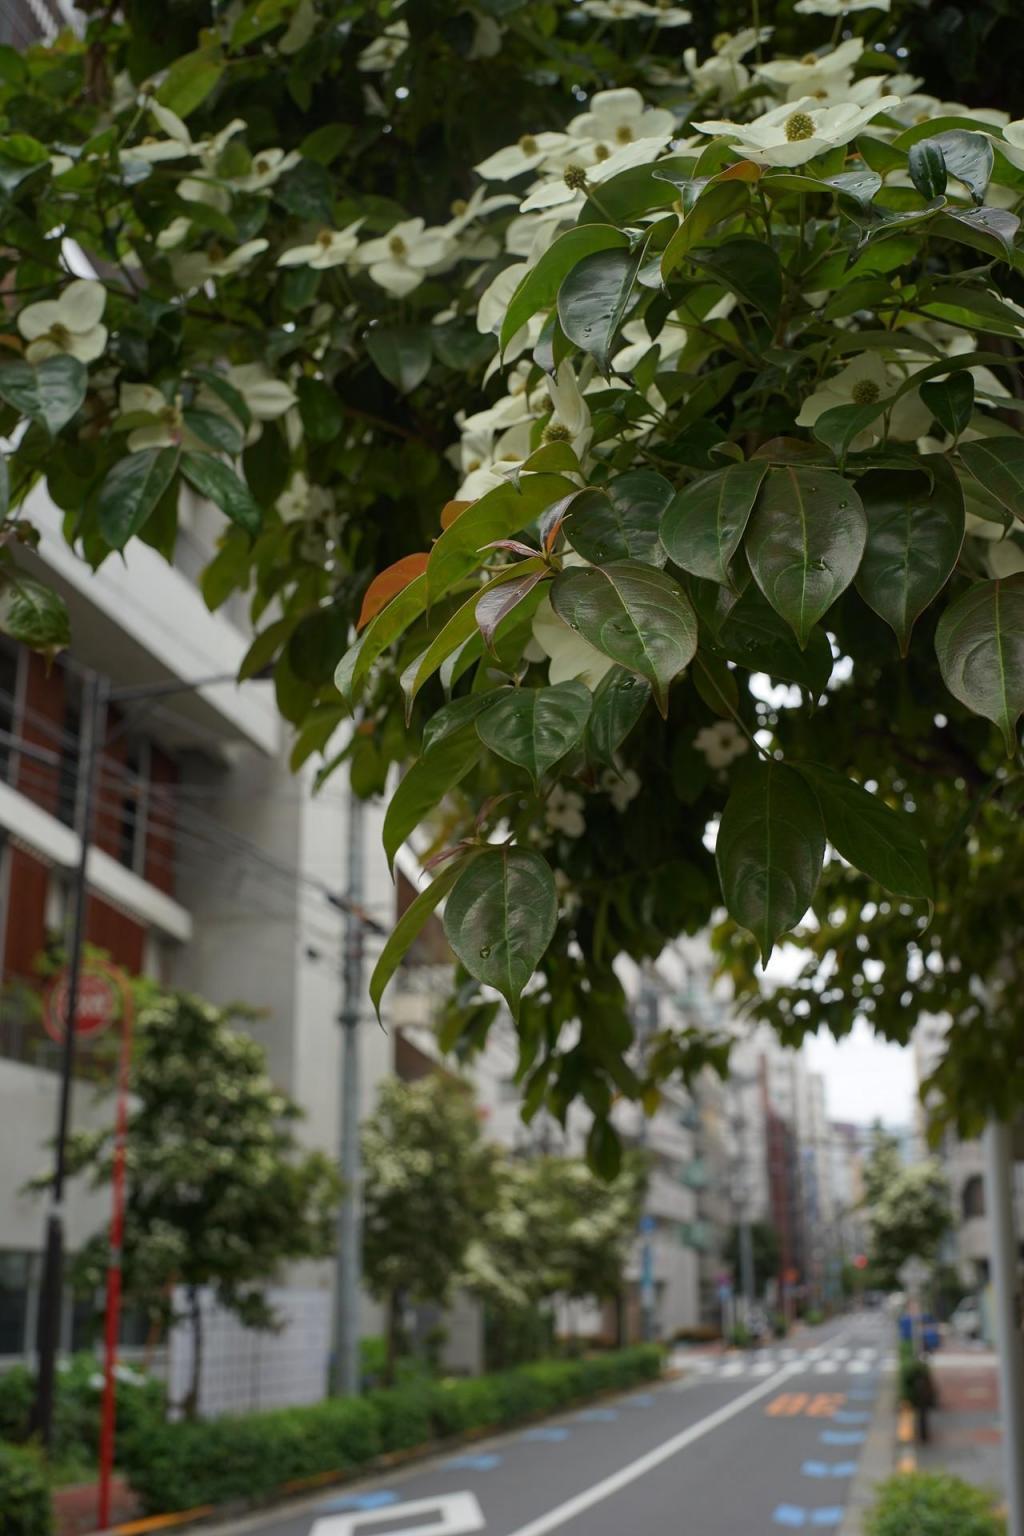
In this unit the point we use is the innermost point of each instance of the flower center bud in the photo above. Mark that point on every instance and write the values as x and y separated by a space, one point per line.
575 178
397 247
459 207
799 125
528 144
555 432
624 134
59 334
721 40
865 392
809 59
601 152
324 238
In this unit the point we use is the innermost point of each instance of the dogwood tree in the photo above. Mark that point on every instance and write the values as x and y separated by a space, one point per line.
691 425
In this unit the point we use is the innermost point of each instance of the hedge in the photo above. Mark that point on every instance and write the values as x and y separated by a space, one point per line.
932 1504
188 1465
24 1494
76 1426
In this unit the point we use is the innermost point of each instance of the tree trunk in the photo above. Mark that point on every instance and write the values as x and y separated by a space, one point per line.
190 1407
394 1327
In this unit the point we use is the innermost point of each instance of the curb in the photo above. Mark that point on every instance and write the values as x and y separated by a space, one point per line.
294 1497
877 1461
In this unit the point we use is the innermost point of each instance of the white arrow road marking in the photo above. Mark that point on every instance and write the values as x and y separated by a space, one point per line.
555 1519
459 1514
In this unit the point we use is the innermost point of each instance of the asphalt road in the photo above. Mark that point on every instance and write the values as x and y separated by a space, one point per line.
751 1445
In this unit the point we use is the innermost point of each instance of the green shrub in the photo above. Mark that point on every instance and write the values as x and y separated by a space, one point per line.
79 1389
184 1466
916 1382
932 1504
24 1495
17 1388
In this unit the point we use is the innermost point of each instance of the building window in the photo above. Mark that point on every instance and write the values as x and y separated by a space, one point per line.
10 665
14 1288
972 1198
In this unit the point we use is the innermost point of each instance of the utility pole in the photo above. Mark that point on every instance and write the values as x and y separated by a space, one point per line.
999 1199
646 1025
346 1374
94 710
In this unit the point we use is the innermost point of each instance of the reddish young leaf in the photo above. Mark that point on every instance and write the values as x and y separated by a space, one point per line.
497 603
451 510
389 583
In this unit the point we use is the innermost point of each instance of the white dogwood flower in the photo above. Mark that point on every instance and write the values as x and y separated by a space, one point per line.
163 425
622 788
400 260
815 71
530 153
386 50
198 267
68 325
563 812
266 396
666 15
570 414
620 117
571 656
721 743
865 380
331 248
267 166
723 74
465 213
838 7
571 184
795 132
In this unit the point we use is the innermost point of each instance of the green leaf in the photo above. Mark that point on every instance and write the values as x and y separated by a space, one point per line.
33 615
50 393
951 401
232 398
500 918
997 463
748 268
967 156
878 841
593 297
320 409
428 780
190 80
927 168
992 230
540 286
259 17
5 488
214 479
131 491
619 701
307 190
452 717
535 727
378 635
604 1149
704 526
770 850
215 430
637 615
754 637
463 623
503 511
402 353
620 521
915 530
980 645
805 542
409 927
716 684
715 204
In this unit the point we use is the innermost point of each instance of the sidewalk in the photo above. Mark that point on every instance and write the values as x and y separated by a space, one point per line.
966 1437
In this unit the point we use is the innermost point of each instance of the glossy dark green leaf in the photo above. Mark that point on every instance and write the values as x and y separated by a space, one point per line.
770 851
951 401
427 782
992 230
875 839
503 511
190 80
705 524
805 542
50 393
997 463
748 268
980 645
539 288
620 521
131 491
593 297
465 621
715 204
915 531
604 1149
33 615
216 431
754 636
716 684
927 167
535 727
452 717
213 478
967 156
5 487
619 700
637 615
321 410
402 353
500 917
409 926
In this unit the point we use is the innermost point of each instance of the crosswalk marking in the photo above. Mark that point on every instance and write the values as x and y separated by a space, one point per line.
819 1361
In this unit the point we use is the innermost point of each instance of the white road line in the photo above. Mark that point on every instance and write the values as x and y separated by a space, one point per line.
825 1367
556 1518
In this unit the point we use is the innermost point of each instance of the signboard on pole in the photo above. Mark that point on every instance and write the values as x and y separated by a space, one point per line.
98 1005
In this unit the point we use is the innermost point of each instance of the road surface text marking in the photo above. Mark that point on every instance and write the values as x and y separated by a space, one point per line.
796 1517
455 1514
556 1518
816 1405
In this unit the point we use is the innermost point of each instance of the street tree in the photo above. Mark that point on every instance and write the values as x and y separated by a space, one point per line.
767 1251
428 1183
908 1221
697 526
219 1193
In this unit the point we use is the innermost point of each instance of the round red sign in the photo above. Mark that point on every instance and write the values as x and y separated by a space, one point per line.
96 1010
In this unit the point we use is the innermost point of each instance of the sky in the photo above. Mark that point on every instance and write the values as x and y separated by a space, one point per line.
866 1079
